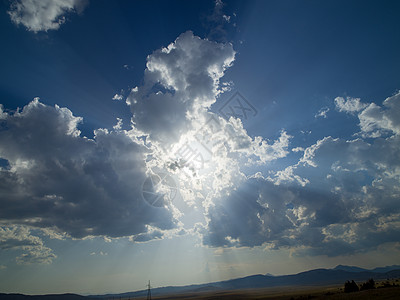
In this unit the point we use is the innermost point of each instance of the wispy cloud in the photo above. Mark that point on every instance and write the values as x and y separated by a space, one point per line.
100 253
217 22
322 113
21 238
118 97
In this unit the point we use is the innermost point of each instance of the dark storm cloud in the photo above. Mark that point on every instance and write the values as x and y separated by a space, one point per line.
83 187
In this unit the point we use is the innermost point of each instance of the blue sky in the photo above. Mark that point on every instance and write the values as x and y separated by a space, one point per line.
106 107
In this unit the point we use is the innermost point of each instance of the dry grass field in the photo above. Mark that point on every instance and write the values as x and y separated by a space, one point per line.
290 293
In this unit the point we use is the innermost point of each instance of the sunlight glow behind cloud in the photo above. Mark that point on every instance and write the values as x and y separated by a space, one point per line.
338 198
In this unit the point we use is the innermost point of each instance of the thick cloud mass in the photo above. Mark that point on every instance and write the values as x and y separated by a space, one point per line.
171 109
341 197
84 187
52 177
181 82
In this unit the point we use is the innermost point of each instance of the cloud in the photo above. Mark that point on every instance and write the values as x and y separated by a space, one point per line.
151 234
181 81
298 149
226 18
100 253
375 121
57 179
117 97
340 198
43 15
217 22
70 186
259 212
171 109
20 238
322 113
349 105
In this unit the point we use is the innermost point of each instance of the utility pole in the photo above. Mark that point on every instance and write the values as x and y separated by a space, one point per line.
148 291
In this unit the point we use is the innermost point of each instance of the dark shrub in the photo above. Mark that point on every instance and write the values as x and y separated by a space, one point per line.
370 284
350 287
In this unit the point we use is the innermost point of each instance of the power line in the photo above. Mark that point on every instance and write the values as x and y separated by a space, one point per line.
148 291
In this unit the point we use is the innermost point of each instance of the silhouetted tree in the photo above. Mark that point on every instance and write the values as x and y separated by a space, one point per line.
350 287
370 284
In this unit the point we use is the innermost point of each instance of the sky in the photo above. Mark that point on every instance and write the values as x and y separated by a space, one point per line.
194 141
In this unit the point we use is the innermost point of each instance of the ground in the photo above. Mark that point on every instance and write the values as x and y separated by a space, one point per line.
292 293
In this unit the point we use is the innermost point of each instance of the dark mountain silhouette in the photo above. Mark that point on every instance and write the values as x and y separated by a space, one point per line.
376 270
350 268
386 269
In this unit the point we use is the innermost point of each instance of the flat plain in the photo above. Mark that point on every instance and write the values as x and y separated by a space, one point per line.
289 293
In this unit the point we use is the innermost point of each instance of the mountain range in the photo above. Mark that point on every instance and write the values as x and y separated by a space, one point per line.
358 269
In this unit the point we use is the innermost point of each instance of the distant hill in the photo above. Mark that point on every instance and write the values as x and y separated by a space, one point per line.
376 270
386 269
338 275
349 268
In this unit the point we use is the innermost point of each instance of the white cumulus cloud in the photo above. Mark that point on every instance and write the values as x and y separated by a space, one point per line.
341 197
375 120
43 15
349 105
